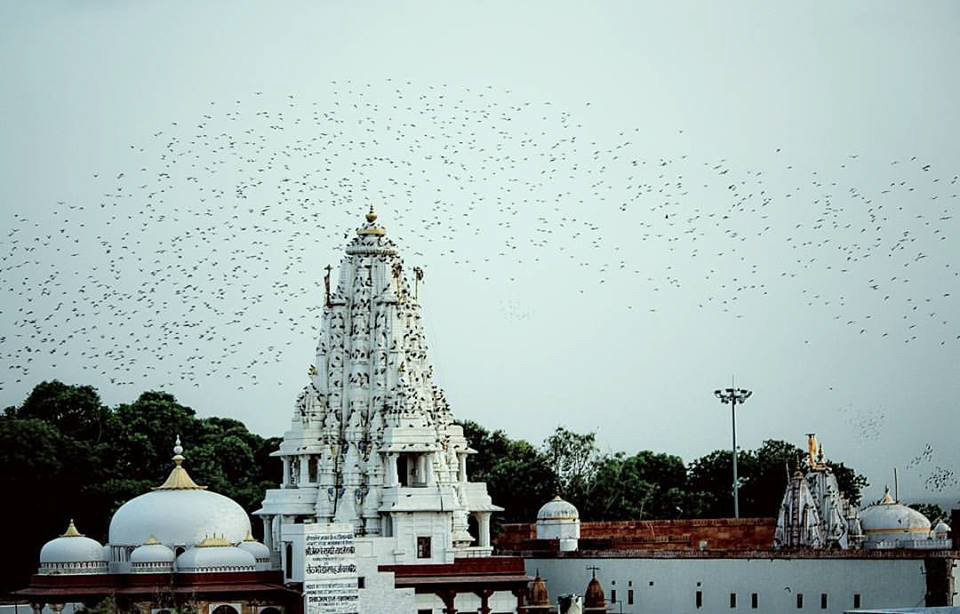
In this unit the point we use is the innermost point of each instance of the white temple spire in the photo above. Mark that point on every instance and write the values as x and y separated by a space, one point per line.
372 436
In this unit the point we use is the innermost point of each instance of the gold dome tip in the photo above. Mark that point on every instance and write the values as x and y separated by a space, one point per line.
72 530
179 479
151 541
249 537
212 541
370 228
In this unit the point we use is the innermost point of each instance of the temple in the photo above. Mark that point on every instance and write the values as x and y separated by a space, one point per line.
373 444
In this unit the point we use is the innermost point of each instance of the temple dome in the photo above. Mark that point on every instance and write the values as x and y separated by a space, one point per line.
559 520
152 552
178 513
891 519
72 553
178 518
259 551
215 555
558 509
152 557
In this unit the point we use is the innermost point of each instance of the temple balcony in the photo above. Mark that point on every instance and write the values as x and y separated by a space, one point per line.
289 502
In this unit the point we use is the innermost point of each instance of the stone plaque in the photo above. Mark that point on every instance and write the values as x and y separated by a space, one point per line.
330 569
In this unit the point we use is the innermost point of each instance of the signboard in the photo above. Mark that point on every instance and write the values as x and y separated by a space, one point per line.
330 569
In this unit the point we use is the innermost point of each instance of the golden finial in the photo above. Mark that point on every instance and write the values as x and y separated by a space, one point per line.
887 499
72 530
812 450
214 540
249 537
151 541
370 228
179 479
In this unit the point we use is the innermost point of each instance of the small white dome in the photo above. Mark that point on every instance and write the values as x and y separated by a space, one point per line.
152 552
214 555
558 509
941 528
259 551
72 553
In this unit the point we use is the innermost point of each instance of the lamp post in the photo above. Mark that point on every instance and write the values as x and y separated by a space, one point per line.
734 396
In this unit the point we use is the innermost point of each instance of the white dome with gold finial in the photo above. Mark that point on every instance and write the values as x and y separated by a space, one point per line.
892 523
152 557
72 554
178 513
259 551
215 554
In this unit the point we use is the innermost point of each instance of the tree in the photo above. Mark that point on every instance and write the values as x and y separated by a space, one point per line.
645 485
850 482
574 459
76 410
517 474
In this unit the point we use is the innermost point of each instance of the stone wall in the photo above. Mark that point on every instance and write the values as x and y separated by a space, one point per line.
667 535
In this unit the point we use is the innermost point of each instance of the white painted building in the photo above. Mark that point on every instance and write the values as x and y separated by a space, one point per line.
765 582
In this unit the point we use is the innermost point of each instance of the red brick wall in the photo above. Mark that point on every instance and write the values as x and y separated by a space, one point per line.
684 534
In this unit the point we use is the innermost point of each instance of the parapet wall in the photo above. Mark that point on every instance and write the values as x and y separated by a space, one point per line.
723 534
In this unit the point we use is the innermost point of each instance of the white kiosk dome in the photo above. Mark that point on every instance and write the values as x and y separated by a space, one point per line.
889 523
941 530
72 553
178 513
215 555
152 557
559 520
259 551
558 509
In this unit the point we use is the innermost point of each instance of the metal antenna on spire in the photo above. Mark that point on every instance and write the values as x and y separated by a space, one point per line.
733 396
326 282
593 569
418 277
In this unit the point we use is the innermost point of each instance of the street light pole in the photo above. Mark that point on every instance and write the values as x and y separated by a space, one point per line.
734 396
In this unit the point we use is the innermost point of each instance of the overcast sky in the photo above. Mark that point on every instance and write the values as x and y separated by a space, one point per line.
618 206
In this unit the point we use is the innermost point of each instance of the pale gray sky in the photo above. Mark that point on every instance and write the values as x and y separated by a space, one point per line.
585 184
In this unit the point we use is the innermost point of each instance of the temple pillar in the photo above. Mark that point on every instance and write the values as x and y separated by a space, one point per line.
267 531
483 528
304 470
484 595
449 597
286 471
421 470
462 467
428 469
520 593
391 478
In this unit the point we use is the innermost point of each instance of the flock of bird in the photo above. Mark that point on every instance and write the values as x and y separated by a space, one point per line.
220 226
